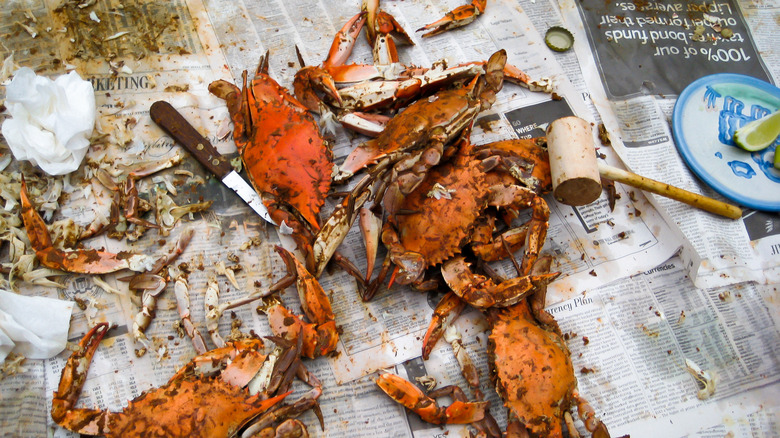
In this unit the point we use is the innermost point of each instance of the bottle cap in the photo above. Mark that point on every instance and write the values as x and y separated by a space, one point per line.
559 39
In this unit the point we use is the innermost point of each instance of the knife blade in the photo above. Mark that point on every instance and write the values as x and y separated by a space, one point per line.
172 122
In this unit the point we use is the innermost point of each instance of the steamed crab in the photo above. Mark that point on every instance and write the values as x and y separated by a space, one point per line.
530 365
287 160
455 196
414 141
359 91
208 397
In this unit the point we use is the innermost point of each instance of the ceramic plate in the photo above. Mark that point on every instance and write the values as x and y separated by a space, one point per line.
705 117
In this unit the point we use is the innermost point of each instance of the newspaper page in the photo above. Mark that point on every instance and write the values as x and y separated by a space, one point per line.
149 51
636 60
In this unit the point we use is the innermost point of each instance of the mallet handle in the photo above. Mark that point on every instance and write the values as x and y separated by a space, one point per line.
669 191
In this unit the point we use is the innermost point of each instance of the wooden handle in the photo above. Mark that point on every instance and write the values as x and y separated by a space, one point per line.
172 122
701 202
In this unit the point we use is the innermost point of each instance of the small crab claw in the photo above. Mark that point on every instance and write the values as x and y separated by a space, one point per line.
458 17
344 40
312 79
83 261
407 394
449 308
63 412
482 292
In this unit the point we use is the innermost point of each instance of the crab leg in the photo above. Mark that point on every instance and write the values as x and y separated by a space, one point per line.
370 225
407 394
588 416
335 229
182 290
63 412
152 286
482 292
83 261
320 336
449 308
458 17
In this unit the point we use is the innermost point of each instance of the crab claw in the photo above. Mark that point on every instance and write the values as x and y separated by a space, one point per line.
458 17
482 292
311 79
407 394
449 308
73 377
320 336
344 41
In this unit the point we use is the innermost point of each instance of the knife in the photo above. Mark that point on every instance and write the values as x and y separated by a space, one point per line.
172 122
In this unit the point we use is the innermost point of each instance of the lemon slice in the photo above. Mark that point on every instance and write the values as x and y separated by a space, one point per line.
777 158
758 134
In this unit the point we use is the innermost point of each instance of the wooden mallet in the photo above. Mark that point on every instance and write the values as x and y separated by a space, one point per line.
576 172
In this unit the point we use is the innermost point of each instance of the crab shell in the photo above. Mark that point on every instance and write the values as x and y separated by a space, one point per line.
190 404
531 369
280 145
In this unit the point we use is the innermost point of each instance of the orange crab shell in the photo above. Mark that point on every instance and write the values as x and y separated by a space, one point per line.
531 369
282 149
531 156
440 227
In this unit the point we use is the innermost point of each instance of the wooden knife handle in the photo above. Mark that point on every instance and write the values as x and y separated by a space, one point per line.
172 122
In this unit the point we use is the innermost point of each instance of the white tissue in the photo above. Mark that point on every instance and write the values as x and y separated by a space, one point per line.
51 121
35 327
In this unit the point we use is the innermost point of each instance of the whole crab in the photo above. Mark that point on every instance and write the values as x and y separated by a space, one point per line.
530 366
286 158
205 398
455 196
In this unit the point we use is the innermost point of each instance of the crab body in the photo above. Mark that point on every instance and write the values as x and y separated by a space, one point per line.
454 196
286 159
207 397
531 369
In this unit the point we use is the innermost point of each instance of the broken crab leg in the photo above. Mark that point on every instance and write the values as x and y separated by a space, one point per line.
407 394
370 225
214 310
152 286
467 367
182 290
458 17
83 261
588 416
449 308
72 381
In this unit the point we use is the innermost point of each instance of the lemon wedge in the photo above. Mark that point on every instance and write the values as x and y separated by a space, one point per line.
758 134
777 158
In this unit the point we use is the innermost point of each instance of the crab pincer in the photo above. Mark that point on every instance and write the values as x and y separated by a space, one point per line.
320 336
458 17
407 394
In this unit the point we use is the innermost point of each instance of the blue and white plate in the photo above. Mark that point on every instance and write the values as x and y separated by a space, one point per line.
705 117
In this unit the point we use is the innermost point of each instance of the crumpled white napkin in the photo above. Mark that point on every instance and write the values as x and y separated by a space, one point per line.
51 121
35 327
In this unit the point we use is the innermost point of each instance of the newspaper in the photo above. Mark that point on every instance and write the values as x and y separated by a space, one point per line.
635 61
173 51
